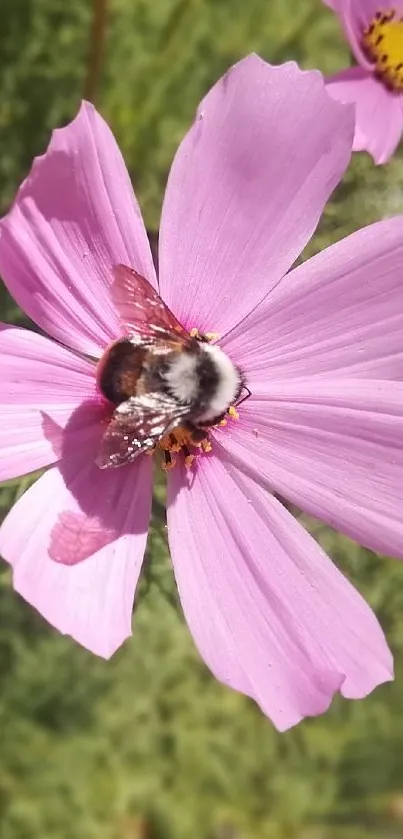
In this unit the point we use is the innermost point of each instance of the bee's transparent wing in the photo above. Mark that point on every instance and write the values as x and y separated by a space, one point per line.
136 426
141 309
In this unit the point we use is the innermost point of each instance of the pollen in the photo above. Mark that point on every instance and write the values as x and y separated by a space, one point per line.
204 336
382 42
233 413
188 442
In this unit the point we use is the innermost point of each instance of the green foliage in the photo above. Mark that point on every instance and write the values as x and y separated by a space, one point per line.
148 745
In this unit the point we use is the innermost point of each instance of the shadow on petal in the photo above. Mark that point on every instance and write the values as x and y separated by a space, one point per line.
97 501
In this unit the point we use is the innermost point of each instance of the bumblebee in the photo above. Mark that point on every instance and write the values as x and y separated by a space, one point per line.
159 376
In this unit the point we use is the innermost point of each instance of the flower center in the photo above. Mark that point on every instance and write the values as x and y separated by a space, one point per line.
382 43
190 442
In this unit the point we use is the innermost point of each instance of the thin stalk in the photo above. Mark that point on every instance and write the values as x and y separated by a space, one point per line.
96 50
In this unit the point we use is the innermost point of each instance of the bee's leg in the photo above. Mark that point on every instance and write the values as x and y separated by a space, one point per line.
196 432
212 422
244 398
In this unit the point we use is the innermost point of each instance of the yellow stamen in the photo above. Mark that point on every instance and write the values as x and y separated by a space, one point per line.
382 43
180 440
208 336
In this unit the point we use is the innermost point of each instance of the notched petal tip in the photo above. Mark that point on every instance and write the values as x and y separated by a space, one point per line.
302 143
282 625
316 79
74 217
56 134
287 72
102 646
76 542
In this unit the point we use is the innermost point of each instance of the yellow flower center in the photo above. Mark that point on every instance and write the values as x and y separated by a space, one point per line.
382 43
190 443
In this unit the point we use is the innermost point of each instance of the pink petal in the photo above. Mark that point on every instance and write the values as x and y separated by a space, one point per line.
379 113
73 219
270 614
334 447
246 190
338 314
355 16
91 599
41 385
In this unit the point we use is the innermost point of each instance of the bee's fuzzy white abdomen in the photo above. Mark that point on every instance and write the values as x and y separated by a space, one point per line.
206 380
182 378
228 384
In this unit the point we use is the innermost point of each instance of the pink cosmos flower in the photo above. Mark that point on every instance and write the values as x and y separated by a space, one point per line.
375 34
321 348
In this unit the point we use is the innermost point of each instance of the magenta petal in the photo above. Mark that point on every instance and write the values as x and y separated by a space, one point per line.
73 219
379 113
339 314
41 385
90 600
332 446
246 190
270 614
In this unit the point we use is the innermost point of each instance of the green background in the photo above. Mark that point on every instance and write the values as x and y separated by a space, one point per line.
148 745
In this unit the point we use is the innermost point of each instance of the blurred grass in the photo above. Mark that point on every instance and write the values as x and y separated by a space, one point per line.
149 746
